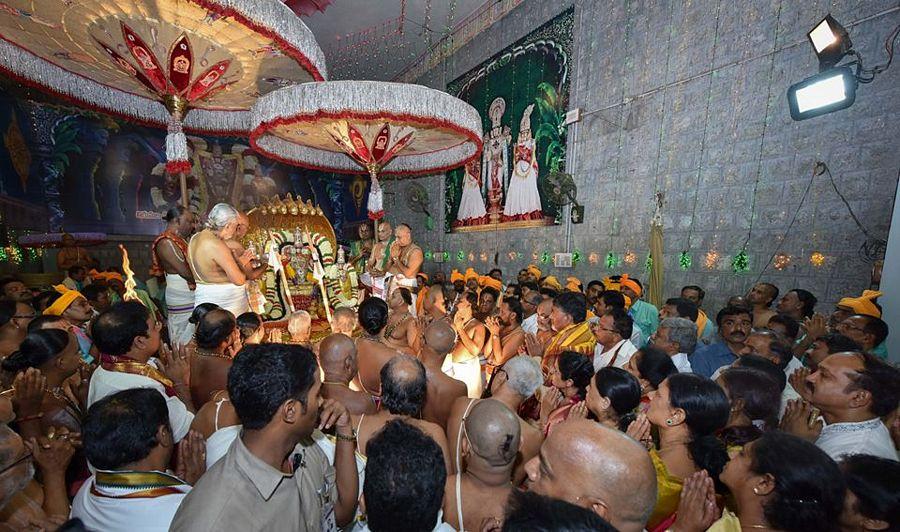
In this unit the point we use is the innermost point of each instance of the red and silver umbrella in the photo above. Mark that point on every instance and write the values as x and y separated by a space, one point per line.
388 129
192 64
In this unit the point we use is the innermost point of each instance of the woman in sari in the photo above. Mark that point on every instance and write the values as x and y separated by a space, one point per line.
650 366
569 378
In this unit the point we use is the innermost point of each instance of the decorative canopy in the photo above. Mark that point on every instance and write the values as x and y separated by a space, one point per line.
401 129
384 128
152 62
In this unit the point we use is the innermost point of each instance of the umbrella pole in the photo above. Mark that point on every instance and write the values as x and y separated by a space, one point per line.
182 178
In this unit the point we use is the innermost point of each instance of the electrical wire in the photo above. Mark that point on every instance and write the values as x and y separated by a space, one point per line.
873 247
867 75
816 171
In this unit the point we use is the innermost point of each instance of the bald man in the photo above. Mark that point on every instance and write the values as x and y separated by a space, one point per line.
443 390
403 388
488 445
337 357
344 321
598 468
248 263
434 306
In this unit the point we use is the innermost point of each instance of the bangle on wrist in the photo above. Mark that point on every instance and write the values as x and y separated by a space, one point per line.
39 415
351 438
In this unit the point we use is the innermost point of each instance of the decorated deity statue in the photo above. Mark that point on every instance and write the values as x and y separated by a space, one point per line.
308 250
495 160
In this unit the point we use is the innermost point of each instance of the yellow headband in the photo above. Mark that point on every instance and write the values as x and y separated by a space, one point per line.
863 304
534 270
573 284
456 276
471 274
488 281
551 282
60 305
625 282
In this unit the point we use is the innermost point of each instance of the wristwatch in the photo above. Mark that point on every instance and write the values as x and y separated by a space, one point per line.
351 438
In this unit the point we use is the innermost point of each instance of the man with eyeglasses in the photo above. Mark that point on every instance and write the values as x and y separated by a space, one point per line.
869 332
25 504
613 333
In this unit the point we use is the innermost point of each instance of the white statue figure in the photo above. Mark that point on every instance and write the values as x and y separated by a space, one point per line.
495 160
471 205
522 199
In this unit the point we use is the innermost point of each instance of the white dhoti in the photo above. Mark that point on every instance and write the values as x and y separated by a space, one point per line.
374 284
230 297
179 305
469 372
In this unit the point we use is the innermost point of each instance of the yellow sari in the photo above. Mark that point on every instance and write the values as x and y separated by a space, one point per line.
668 492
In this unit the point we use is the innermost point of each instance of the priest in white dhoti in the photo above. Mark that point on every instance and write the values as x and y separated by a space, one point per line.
523 202
218 275
170 260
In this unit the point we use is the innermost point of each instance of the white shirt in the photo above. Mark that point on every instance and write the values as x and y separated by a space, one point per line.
530 324
789 393
682 364
622 351
107 513
104 382
864 437
637 335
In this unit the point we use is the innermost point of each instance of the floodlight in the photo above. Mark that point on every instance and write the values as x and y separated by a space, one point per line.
830 41
826 92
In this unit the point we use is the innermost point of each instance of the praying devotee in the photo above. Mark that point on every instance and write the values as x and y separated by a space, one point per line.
852 391
129 341
406 258
404 385
761 297
572 331
488 443
506 334
372 352
464 361
218 341
273 477
337 357
77 312
170 260
677 337
401 331
71 254
443 390
218 275
274 355
128 440
516 381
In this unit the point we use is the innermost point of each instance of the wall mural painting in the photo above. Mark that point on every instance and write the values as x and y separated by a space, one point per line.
522 96
95 173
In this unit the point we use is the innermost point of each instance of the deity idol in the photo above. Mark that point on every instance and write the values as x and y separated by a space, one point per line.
495 160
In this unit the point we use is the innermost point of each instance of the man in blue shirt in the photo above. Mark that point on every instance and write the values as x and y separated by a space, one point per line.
734 324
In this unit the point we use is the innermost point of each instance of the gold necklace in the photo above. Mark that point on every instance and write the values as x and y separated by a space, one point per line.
337 383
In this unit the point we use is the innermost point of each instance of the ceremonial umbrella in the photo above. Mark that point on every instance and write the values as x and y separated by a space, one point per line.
388 129
199 64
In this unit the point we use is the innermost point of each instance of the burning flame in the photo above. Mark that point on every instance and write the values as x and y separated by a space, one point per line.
130 294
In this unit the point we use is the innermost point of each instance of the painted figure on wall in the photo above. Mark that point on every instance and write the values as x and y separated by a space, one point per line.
495 159
523 202
471 206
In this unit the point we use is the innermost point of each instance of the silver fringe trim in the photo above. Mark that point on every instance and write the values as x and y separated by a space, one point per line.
271 14
365 97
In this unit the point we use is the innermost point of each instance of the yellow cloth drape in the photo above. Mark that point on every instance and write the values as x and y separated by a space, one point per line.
657 292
